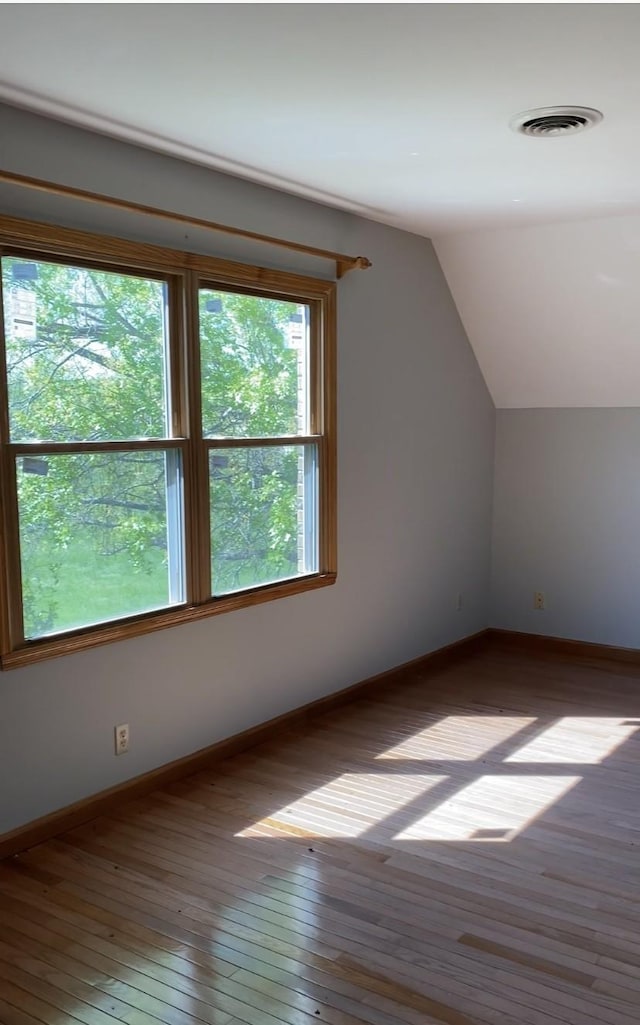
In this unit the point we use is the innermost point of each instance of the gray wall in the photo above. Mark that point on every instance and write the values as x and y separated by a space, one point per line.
415 479
567 522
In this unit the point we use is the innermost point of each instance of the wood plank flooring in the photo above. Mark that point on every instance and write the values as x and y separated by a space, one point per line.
461 847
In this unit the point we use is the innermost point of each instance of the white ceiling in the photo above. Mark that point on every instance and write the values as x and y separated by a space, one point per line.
398 111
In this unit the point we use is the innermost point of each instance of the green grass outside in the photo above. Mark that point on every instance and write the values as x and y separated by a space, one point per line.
91 587
95 588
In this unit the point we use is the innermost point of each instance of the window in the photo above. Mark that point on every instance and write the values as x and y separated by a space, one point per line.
168 449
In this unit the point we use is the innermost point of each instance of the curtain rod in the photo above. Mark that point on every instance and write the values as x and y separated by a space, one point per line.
343 263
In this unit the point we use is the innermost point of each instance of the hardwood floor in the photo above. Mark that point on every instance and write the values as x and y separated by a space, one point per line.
460 848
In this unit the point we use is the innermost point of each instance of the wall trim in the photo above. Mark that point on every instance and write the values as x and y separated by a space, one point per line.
57 822
536 644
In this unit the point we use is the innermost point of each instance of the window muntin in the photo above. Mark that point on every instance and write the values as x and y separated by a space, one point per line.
184 581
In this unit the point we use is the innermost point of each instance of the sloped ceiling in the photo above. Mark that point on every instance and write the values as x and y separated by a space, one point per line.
401 113
552 311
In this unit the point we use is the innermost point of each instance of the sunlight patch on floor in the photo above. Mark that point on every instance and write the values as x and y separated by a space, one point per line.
392 806
586 739
458 738
494 808
346 807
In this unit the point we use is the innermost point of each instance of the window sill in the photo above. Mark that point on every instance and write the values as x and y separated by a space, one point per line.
92 637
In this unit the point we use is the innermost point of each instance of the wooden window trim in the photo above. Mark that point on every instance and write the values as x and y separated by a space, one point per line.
188 272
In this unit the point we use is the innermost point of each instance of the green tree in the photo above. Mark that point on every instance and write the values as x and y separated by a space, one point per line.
87 361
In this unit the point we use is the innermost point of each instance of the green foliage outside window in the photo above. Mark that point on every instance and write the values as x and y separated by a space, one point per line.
87 361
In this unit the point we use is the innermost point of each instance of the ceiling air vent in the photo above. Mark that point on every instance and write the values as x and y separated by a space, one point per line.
554 121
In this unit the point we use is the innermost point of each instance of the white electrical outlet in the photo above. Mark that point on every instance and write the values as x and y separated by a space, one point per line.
122 738
538 600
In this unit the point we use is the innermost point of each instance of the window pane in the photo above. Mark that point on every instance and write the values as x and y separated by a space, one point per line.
263 515
85 353
254 358
100 537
